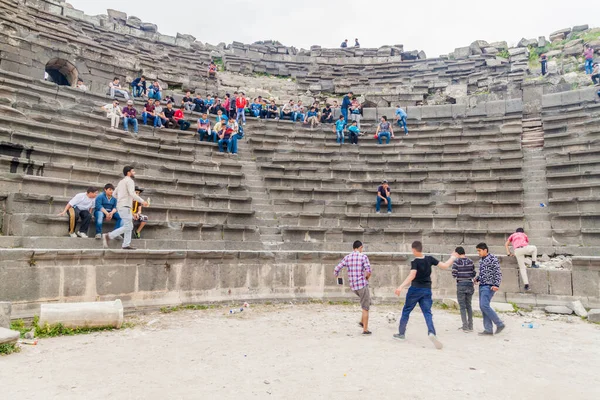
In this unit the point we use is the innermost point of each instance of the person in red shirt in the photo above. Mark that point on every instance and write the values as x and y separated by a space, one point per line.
522 248
240 105
180 119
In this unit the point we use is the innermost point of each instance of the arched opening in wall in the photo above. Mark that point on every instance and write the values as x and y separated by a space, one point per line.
61 72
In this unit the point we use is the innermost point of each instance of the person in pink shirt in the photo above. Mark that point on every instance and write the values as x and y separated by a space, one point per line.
588 53
522 248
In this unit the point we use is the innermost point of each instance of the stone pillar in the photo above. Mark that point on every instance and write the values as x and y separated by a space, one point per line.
5 311
79 315
8 336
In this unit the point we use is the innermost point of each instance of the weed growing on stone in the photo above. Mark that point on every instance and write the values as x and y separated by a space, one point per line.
503 54
9 348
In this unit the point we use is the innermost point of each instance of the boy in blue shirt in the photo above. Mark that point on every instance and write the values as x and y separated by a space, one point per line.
106 209
354 132
401 119
339 129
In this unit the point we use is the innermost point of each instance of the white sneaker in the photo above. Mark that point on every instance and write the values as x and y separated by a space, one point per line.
438 345
98 236
377 212
73 235
82 235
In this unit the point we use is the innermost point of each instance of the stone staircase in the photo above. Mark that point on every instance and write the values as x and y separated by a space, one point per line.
535 206
533 133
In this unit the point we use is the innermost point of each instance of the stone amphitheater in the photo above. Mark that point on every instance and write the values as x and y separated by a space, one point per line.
492 146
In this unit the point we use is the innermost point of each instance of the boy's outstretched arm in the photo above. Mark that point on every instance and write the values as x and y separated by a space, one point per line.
411 276
449 262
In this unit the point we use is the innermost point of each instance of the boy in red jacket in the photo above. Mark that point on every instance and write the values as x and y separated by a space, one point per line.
240 105
180 119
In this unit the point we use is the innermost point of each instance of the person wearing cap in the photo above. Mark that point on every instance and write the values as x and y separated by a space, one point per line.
139 219
384 194
130 117
113 111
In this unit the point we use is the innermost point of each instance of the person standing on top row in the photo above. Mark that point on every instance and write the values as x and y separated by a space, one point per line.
588 53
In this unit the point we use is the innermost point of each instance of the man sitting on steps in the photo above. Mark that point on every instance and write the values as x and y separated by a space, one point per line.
130 117
115 88
106 209
384 195
80 207
139 219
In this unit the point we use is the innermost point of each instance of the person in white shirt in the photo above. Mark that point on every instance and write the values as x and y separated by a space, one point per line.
115 87
81 86
113 111
80 207
125 195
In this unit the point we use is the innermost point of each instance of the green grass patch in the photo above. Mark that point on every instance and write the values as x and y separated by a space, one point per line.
503 54
168 310
9 348
46 330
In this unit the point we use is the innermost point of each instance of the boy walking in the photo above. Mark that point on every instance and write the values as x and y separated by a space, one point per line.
359 272
463 270
490 277
419 292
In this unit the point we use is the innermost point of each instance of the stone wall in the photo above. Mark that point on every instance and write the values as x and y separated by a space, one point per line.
157 278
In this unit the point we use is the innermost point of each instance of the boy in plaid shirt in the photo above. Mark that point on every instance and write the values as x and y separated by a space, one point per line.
359 272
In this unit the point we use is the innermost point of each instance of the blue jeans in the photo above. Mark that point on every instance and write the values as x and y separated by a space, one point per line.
340 137
414 296
298 117
589 66
345 114
127 121
137 91
384 135
154 94
223 144
241 112
208 135
378 204
100 217
489 315
145 117
232 147
402 124
255 112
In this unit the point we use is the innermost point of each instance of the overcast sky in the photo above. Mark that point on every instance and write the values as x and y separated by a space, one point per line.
435 26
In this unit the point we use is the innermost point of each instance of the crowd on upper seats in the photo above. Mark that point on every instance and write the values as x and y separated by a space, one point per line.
162 112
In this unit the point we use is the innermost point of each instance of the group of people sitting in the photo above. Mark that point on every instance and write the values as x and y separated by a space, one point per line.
103 208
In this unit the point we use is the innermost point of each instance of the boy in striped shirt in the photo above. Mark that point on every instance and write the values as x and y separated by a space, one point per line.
463 270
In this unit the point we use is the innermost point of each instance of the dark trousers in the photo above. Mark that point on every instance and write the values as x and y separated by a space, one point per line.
170 123
544 67
353 138
83 215
183 125
422 296
464 295
596 79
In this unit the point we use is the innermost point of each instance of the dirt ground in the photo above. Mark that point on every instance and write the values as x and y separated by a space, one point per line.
307 352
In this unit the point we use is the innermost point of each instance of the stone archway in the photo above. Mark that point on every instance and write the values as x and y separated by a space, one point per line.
61 72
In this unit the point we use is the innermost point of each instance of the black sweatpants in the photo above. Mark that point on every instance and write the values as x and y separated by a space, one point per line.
83 215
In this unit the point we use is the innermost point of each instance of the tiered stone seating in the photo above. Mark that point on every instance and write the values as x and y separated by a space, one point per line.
573 170
444 190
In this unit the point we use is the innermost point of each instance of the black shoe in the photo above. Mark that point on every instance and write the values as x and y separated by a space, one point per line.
366 332
128 248
500 329
360 324
485 333
527 288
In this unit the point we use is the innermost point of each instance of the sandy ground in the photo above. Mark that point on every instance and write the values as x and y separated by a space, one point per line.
307 352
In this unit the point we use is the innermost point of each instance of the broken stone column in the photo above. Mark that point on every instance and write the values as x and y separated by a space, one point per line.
8 336
79 315
5 311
